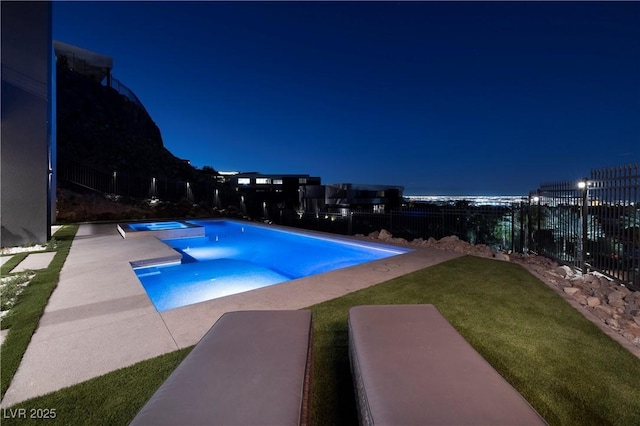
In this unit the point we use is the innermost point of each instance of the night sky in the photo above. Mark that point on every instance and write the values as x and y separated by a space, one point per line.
444 98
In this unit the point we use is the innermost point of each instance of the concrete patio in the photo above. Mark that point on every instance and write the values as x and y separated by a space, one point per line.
100 319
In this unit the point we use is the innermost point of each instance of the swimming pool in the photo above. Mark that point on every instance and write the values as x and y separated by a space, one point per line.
234 257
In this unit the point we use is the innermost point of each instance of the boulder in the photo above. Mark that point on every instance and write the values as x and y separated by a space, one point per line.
633 297
565 271
458 248
398 241
616 299
449 239
581 298
593 301
613 323
571 290
385 235
502 256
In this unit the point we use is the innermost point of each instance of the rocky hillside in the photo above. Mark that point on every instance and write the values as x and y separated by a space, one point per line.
98 126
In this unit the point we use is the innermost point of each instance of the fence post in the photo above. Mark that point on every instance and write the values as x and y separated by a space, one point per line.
584 185
585 212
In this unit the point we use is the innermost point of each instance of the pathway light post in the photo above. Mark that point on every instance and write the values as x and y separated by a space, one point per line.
584 186
536 199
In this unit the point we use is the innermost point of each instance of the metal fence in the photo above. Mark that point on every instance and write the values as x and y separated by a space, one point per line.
123 90
135 185
494 225
592 223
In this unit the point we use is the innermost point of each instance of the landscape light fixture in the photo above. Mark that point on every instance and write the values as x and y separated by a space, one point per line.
584 185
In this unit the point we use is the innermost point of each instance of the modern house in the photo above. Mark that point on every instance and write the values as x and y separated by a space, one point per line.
261 195
27 150
266 195
344 197
83 61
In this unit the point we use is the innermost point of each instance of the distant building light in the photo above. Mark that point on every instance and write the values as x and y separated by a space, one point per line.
263 181
277 181
302 180
582 184
244 181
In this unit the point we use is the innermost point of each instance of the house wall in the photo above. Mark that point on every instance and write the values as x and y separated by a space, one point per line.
26 136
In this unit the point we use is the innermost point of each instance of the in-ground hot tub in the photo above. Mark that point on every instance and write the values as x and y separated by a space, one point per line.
162 230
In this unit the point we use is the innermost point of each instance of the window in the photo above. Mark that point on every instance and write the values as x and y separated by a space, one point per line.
244 181
263 181
302 180
277 181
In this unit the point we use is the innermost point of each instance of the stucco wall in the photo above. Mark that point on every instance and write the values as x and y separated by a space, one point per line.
26 120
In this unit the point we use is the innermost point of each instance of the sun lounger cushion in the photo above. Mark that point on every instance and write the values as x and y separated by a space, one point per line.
411 367
251 368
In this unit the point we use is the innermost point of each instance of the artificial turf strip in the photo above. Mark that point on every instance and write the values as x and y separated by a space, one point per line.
24 317
8 266
569 370
111 399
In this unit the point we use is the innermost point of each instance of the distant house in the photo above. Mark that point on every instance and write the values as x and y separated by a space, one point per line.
345 197
27 152
261 195
271 195
85 62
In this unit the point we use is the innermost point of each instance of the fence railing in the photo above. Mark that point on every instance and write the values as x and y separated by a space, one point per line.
593 223
494 225
122 89
134 185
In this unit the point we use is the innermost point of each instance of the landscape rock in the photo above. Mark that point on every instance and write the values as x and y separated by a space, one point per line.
384 235
616 299
502 256
571 290
593 301
565 271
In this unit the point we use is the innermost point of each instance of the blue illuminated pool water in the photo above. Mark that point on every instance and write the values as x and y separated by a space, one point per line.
235 257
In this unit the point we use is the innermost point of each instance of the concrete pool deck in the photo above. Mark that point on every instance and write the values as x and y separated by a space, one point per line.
100 319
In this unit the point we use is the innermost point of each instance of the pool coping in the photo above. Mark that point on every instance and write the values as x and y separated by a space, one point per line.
100 319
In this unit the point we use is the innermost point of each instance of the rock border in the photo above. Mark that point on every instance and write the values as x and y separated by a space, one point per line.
607 303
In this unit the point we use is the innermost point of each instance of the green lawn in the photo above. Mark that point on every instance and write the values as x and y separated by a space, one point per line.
570 371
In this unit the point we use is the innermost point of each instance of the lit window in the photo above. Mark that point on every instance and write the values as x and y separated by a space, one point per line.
302 180
277 181
263 181
244 181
